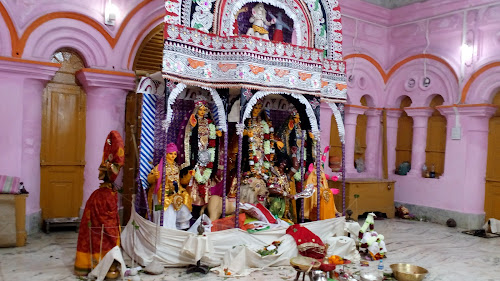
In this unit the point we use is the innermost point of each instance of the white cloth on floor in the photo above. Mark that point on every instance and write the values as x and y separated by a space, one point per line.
352 227
197 246
343 246
102 268
494 224
170 242
173 219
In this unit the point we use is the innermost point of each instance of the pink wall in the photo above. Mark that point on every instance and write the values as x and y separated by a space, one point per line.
381 47
383 53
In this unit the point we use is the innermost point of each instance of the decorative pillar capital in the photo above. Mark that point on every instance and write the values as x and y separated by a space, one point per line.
420 115
375 112
393 113
36 70
355 109
97 78
472 110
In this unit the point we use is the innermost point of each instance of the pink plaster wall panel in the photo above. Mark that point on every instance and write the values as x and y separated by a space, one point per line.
364 79
105 112
443 82
60 33
5 44
31 141
11 117
25 12
153 10
487 39
366 11
484 88
433 8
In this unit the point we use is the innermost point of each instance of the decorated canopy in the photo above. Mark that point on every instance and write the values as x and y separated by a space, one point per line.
290 46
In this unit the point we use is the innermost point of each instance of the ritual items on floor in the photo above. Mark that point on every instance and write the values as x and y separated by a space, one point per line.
100 224
176 203
308 243
372 242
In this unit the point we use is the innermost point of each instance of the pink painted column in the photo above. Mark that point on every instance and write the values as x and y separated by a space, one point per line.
350 120
474 121
106 97
21 95
420 117
373 134
392 138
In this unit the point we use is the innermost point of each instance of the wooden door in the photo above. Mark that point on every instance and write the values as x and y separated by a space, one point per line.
492 195
62 155
436 138
405 135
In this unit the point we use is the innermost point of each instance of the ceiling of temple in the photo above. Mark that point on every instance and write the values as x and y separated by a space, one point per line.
391 4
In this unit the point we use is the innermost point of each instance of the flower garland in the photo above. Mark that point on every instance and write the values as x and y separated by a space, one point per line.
198 176
265 134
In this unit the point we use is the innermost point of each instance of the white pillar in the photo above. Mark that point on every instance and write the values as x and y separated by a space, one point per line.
350 119
373 147
106 99
420 117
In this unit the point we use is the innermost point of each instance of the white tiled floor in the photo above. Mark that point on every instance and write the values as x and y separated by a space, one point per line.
445 252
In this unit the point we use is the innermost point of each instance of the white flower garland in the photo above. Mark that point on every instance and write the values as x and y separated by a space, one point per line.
198 176
309 111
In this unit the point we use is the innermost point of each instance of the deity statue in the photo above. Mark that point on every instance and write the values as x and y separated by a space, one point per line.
101 210
259 22
200 149
280 24
327 208
177 201
291 134
259 135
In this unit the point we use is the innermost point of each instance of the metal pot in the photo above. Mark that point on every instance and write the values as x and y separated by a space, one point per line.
318 275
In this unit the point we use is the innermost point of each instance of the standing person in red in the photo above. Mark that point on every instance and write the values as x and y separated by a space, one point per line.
101 211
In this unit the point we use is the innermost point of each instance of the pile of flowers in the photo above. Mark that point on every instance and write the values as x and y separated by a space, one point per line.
271 249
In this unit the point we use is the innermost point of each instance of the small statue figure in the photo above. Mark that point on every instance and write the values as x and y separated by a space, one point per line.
200 150
259 22
177 202
278 29
101 210
259 134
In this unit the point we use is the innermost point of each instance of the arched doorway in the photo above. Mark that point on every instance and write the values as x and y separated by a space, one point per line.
62 153
492 194
436 138
405 135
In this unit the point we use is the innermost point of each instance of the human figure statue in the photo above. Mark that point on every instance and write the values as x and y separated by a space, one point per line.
259 134
278 28
177 202
100 225
327 208
259 22
201 160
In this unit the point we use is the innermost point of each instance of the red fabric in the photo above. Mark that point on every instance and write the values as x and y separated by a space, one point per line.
278 35
267 213
101 210
227 223
308 243
113 153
